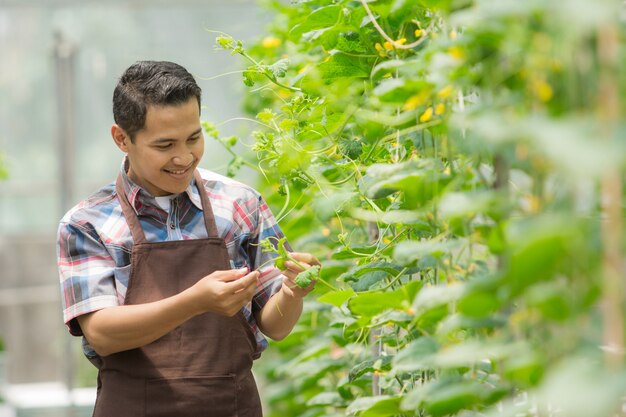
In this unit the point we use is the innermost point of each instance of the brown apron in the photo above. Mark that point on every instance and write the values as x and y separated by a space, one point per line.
201 368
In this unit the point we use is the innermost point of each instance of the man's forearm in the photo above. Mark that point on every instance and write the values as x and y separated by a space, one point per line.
120 328
116 329
279 315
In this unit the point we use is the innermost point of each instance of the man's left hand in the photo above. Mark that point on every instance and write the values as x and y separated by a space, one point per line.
292 270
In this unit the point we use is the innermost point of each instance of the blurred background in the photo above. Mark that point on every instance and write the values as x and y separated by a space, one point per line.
59 62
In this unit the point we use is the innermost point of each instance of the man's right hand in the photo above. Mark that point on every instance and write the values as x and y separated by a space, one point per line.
225 292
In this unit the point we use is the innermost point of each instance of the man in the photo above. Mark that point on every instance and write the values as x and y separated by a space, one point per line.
158 271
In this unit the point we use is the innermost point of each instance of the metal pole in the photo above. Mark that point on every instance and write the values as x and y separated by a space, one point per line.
612 226
375 335
64 52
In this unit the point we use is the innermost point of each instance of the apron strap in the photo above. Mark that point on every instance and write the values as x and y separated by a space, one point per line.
133 222
209 218
129 213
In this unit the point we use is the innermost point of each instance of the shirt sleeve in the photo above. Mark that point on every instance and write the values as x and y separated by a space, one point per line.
86 271
271 278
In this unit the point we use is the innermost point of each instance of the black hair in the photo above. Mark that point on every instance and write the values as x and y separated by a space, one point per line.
146 83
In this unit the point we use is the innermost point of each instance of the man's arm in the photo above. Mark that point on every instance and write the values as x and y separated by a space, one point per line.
120 328
282 311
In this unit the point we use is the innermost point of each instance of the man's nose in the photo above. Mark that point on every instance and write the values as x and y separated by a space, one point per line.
184 159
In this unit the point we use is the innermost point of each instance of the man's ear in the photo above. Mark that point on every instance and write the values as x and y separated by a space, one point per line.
120 137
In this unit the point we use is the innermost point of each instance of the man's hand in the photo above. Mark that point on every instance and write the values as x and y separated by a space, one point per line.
290 288
225 292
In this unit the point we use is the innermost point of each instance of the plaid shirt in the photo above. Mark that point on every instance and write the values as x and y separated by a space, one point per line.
94 242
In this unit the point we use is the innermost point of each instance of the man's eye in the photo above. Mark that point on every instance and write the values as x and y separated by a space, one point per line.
194 139
163 147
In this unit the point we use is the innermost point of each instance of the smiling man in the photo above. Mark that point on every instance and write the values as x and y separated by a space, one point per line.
159 269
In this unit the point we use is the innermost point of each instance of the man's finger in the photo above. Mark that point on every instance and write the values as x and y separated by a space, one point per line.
248 282
231 274
305 258
292 266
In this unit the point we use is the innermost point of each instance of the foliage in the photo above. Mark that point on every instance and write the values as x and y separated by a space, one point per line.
444 159
304 278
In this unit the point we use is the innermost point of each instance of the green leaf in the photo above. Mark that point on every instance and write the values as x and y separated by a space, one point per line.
452 398
354 251
385 408
455 323
364 276
551 298
398 90
526 369
266 116
580 387
279 68
392 90
389 67
322 17
372 303
382 363
369 281
339 65
350 41
417 355
350 148
468 204
432 304
478 304
337 298
419 180
304 278
472 352
363 404
248 78
325 399
408 252
538 245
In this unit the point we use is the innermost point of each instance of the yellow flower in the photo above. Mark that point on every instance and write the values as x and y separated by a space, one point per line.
415 101
380 49
440 108
427 115
326 231
445 92
418 33
542 90
456 52
390 46
270 42
453 34
531 203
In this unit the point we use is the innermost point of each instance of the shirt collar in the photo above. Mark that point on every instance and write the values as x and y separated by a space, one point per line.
140 199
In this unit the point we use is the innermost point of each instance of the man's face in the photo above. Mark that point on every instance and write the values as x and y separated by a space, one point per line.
167 150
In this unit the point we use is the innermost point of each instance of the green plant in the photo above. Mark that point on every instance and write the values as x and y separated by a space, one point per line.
304 278
451 162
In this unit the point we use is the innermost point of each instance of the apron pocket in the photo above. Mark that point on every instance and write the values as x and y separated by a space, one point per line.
200 396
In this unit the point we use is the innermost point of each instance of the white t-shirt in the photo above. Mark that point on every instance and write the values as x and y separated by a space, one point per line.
165 202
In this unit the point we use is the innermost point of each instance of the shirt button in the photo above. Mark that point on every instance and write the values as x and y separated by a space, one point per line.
172 226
